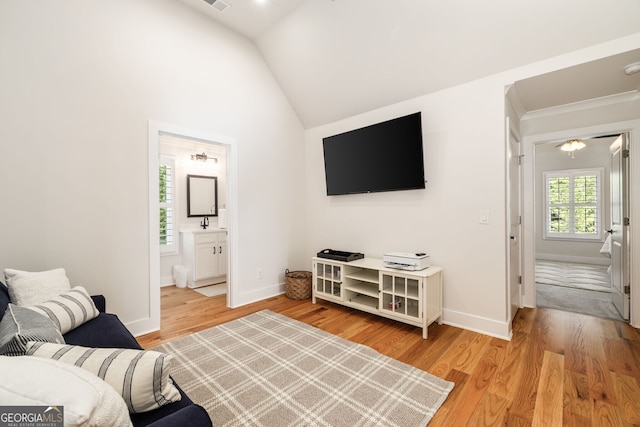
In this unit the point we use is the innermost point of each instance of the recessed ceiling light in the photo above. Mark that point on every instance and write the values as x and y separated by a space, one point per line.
632 68
219 5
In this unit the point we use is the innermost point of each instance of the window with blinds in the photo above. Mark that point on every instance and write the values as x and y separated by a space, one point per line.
573 204
168 235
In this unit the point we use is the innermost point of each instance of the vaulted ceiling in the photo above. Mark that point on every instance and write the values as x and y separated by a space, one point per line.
338 58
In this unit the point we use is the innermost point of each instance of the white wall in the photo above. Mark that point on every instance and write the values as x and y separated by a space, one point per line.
80 82
464 144
180 150
464 165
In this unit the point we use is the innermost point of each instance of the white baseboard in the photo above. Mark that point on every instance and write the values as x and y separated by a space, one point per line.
257 294
166 281
142 327
471 322
602 260
482 325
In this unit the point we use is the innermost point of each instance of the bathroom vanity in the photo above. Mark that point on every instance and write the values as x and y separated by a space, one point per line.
204 253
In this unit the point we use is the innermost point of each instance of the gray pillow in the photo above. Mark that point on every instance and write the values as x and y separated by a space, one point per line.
19 325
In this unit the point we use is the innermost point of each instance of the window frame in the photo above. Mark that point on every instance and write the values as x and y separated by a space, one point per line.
599 204
172 248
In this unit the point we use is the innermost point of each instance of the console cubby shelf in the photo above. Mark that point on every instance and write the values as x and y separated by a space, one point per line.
364 275
366 301
413 297
364 289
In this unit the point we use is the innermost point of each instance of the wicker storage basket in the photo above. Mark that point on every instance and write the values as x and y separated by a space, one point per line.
298 284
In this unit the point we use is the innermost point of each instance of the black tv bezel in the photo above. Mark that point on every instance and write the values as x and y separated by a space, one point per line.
419 186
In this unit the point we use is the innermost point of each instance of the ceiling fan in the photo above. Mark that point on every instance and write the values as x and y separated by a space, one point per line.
575 144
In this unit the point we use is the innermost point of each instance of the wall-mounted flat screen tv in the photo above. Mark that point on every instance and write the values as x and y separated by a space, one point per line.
385 156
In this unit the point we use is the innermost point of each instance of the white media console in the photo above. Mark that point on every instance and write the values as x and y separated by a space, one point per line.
413 297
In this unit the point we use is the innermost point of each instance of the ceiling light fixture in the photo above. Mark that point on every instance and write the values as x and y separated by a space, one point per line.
632 68
572 146
203 157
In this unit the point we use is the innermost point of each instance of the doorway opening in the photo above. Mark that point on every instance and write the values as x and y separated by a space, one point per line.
225 146
196 188
579 196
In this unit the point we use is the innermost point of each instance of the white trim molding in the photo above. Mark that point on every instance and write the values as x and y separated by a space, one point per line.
482 325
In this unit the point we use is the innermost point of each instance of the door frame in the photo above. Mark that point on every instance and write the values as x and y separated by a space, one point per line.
632 128
230 143
513 133
619 231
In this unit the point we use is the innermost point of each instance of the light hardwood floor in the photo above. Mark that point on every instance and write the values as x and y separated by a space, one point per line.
560 368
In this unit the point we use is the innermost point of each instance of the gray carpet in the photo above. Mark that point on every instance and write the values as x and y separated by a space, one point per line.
578 288
573 275
580 301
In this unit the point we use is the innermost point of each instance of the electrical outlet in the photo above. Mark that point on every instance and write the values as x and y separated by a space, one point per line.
260 274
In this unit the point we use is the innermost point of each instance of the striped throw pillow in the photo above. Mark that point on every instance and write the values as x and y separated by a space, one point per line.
19 325
68 310
140 376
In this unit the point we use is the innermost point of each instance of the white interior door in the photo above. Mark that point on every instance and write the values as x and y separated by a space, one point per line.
620 277
515 225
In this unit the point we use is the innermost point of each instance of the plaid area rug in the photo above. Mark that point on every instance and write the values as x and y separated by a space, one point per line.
266 369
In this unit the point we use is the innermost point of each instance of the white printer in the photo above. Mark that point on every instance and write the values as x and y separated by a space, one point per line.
406 261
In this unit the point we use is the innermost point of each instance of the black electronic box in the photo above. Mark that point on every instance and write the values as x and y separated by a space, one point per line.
343 256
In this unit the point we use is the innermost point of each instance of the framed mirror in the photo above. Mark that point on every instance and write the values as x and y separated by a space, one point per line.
202 195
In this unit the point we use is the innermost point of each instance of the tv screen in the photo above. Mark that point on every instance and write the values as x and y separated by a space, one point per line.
385 156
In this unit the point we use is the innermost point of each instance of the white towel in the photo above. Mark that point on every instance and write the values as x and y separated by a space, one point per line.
222 218
606 247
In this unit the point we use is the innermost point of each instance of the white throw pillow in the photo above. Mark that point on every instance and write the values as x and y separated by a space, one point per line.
140 376
85 398
28 288
68 310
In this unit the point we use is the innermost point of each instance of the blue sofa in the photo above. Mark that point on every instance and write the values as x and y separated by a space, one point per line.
107 331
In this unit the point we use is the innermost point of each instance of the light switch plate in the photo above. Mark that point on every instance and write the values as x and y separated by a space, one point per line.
484 217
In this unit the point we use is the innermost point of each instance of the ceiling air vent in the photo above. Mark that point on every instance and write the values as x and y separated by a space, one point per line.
219 5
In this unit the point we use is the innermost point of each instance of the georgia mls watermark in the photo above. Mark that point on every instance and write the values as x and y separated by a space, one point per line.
31 416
